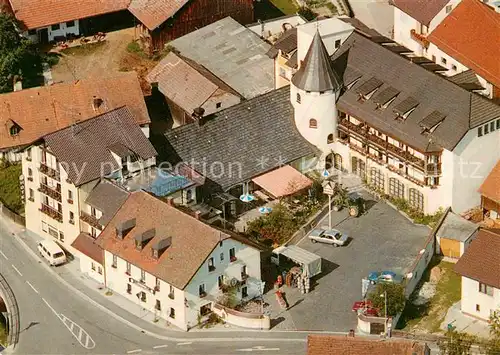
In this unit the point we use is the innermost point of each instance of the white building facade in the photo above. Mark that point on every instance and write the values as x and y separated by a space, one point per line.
478 299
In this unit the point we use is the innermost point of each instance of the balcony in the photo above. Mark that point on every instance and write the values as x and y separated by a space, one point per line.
362 131
51 212
433 169
53 193
91 220
403 173
420 38
50 172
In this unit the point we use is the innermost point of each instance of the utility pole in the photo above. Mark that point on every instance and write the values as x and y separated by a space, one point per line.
328 189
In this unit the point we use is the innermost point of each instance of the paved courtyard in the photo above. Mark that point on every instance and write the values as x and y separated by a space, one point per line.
382 239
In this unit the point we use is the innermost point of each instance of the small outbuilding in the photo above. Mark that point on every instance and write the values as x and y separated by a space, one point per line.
454 235
310 262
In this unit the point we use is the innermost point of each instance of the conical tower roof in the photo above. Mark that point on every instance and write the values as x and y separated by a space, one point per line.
316 72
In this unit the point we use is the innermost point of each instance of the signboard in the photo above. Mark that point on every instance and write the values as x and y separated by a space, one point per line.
328 188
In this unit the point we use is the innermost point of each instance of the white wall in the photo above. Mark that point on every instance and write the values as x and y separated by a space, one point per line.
403 24
331 29
472 297
474 158
117 280
63 30
86 264
245 255
452 63
320 107
225 99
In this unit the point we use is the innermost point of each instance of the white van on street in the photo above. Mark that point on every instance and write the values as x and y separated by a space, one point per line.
52 252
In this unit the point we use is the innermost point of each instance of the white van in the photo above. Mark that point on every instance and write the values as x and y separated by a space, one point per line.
52 252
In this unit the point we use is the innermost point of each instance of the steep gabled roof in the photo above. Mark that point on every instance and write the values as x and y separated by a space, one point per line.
481 261
152 13
40 13
107 198
316 73
421 10
471 34
246 140
42 110
84 148
491 185
192 241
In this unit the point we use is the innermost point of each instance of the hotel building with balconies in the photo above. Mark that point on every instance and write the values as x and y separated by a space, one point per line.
405 129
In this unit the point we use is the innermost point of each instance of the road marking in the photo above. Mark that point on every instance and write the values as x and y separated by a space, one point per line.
259 348
48 305
34 289
134 351
186 343
160 346
5 256
15 268
79 333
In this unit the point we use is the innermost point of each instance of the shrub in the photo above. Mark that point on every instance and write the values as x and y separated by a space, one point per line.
134 47
306 13
395 298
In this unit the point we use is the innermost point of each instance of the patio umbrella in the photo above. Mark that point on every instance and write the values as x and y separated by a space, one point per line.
325 173
265 210
247 198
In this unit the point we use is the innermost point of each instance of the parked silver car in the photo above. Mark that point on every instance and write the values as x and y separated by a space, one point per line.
331 236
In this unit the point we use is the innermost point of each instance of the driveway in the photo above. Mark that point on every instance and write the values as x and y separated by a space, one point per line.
376 14
382 240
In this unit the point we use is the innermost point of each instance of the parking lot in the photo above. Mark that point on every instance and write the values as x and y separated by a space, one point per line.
382 239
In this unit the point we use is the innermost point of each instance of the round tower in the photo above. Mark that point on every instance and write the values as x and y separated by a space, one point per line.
314 91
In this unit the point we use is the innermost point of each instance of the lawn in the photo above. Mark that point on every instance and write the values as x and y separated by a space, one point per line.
10 192
288 7
428 317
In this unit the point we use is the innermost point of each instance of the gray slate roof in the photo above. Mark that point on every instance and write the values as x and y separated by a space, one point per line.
257 135
287 43
456 228
316 72
85 148
233 53
107 198
360 57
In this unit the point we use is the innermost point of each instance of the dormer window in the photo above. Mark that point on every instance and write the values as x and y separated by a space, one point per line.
15 130
124 228
313 123
160 246
143 239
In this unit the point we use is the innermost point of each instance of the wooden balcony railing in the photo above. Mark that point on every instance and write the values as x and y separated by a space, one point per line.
91 220
420 38
50 172
403 173
433 169
51 192
51 212
350 127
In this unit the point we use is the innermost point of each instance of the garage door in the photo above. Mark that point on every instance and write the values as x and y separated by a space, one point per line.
450 248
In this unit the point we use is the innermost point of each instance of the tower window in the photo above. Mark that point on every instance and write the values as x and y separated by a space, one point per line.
298 98
313 123
329 139
337 43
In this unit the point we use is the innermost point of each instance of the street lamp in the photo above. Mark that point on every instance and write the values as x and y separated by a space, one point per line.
385 311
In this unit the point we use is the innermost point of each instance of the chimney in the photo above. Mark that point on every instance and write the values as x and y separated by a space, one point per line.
197 214
197 115
97 103
18 84
171 202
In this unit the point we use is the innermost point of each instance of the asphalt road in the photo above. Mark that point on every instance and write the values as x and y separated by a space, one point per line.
56 320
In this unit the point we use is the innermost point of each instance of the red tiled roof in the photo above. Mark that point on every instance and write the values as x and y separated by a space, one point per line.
40 13
152 13
471 35
192 240
491 185
43 110
481 261
421 10
344 345
85 244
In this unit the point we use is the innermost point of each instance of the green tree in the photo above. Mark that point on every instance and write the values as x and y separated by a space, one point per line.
395 298
455 343
18 56
276 226
492 346
306 13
